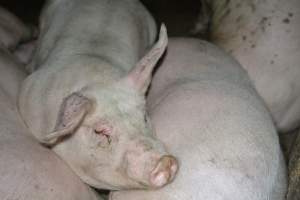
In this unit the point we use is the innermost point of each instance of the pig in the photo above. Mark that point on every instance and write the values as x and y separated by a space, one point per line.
85 98
24 52
294 169
206 111
16 37
28 171
264 36
13 30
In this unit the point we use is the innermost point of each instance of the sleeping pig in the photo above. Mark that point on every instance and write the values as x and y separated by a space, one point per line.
85 98
206 111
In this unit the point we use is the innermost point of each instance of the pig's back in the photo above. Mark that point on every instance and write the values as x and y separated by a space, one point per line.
193 60
117 31
205 110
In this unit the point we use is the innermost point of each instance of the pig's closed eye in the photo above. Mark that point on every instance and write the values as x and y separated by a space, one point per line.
104 133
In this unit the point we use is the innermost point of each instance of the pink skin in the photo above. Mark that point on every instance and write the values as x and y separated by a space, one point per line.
28 170
89 103
206 111
264 37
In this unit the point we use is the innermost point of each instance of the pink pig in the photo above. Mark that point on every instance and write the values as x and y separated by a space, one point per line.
206 111
85 98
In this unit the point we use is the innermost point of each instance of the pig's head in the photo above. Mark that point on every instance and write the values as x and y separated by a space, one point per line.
104 134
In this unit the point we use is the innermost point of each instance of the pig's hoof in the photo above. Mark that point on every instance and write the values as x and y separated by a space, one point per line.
164 172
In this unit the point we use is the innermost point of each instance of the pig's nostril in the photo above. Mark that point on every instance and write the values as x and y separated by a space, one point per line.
164 172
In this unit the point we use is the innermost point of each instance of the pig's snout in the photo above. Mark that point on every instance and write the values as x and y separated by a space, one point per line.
164 171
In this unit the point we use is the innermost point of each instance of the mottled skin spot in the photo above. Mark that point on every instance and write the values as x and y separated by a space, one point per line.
238 5
227 2
244 37
228 11
253 8
262 23
238 19
286 20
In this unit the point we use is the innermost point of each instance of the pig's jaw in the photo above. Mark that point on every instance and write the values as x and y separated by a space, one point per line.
119 184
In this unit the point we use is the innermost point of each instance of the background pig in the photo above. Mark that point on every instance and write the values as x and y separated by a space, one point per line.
24 52
27 170
86 98
12 30
205 110
264 36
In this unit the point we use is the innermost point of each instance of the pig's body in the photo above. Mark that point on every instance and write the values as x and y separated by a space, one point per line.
27 170
12 30
264 36
81 100
204 108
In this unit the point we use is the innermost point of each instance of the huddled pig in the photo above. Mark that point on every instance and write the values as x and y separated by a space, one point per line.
204 108
12 29
294 171
28 171
16 37
86 97
264 36
24 52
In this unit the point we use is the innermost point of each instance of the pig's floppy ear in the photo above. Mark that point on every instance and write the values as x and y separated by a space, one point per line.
140 75
71 113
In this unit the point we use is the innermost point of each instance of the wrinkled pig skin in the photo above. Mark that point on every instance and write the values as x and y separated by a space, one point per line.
29 171
264 36
294 171
85 99
205 110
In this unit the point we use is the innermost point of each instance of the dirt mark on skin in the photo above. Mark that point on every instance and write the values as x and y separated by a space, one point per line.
286 20
263 23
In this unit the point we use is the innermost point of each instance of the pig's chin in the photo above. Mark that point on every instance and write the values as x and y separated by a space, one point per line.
112 182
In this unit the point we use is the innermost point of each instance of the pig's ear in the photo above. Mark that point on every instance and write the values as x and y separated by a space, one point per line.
71 113
140 75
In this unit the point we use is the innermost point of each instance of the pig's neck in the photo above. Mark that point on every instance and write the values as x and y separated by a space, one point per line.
112 31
